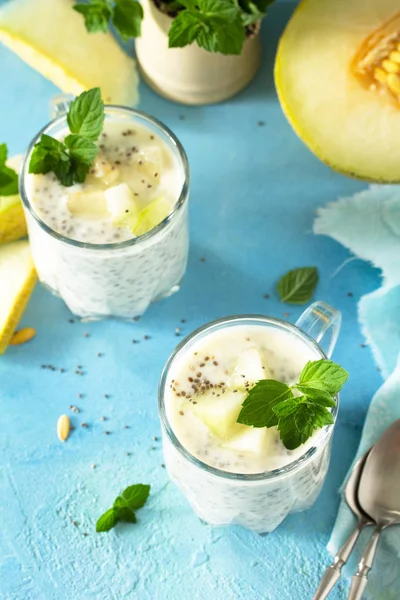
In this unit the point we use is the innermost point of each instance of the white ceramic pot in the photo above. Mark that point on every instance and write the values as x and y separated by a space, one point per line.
191 75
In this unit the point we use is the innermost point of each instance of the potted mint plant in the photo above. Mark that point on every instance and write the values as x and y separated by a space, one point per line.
190 51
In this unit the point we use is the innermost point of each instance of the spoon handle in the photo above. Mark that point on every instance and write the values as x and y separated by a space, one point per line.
333 572
360 580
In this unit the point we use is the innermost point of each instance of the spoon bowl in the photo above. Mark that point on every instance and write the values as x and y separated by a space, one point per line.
379 497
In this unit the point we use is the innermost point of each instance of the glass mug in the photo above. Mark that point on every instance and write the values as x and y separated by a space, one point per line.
260 501
115 279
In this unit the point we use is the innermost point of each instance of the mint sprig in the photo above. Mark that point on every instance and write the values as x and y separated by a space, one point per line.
215 25
131 499
272 403
126 16
71 160
8 177
298 286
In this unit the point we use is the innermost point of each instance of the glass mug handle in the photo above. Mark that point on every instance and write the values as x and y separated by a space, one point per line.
321 322
59 105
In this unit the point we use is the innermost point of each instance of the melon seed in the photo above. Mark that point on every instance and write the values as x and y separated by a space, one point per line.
395 56
393 82
63 427
22 336
390 67
380 75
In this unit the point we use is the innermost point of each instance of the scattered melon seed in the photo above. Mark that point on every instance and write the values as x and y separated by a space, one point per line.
390 67
380 75
395 56
22 336
393 82
63 427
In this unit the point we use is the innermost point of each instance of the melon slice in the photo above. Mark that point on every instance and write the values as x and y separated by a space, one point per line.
89 204
249 439
17 280
12 218
249 369
151 216
220 414
337 74
51 37
121 204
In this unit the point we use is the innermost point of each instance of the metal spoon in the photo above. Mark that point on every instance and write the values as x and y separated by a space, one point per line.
379 497
333 572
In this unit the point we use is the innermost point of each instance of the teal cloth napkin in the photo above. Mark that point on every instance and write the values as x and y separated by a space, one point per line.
368 224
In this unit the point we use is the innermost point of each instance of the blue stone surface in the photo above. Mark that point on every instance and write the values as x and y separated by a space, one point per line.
255 188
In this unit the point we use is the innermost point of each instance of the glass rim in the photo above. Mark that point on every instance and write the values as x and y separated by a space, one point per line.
321 440
179 205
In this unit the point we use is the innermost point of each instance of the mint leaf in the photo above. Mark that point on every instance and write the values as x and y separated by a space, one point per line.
319 396
298 286
108 520
8 177
322 417
3 155
96 15
287 407
127 514
257 409
253 11
48 155
127 18
131 499
215 25
136 495
81 149
296 428
323 375
86 114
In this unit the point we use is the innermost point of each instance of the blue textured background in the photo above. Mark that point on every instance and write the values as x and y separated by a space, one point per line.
254 192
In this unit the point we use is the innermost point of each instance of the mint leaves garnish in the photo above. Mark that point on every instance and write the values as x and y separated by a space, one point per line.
215 25
70 161
126 16
298 286
8 177
272 403
123 509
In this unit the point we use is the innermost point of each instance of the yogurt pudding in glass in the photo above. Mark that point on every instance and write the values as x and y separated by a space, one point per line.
119 241
232 473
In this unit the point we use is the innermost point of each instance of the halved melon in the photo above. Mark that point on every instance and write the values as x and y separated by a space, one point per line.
337 74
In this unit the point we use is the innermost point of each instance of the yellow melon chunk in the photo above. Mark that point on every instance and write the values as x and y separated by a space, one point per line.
12 218
17 280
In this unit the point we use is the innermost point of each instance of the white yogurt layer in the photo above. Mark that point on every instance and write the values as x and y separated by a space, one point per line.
222 365
134 183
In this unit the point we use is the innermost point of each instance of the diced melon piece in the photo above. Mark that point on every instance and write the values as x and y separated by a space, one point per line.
12 218
151 216
249 368
250 439
102 169
121 204
51 37
220 414
150 161
17 280
89 204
